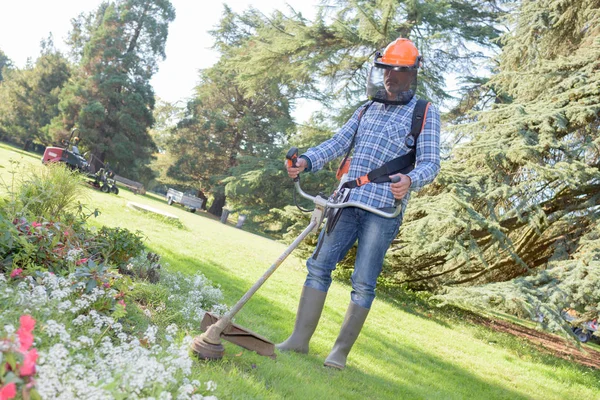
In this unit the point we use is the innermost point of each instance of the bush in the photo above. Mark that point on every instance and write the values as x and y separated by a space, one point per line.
118 245
49 192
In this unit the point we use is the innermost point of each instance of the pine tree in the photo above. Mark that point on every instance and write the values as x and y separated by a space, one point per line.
518 197
328 59
110 98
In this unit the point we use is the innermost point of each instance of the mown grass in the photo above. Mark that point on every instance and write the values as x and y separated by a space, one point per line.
407 350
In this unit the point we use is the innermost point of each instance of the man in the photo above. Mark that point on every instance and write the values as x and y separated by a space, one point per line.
75 149
382 129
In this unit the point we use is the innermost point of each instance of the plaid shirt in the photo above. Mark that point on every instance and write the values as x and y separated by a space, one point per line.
381 138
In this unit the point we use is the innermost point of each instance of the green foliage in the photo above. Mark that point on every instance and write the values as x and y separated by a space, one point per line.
94 275
572 282
518 196
118 245
223 128
144 267
110 97
50 192
338 47
4 63
29 97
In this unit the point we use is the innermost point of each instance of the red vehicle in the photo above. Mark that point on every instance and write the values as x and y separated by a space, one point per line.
103 179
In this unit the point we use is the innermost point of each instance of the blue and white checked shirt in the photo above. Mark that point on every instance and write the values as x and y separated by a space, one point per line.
381 138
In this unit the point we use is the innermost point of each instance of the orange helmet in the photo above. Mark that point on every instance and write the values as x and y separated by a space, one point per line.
393 76
400 53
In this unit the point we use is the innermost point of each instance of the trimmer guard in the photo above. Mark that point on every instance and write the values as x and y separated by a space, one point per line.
242 337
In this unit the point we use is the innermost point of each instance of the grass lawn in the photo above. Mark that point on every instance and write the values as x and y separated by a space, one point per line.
407 349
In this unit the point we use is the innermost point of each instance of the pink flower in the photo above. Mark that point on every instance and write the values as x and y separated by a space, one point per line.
121 302
82 261
8 392
28 367
36 224
24 332
16 272
66 233
106 285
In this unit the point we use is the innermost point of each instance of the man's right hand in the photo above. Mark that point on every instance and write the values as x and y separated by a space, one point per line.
293 172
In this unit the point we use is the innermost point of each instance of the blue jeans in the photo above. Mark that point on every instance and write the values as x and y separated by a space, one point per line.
374 235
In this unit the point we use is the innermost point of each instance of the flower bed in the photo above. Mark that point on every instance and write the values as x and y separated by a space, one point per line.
97 315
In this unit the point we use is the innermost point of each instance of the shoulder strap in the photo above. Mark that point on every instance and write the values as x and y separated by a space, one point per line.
360 115
343 164
403 164
418 120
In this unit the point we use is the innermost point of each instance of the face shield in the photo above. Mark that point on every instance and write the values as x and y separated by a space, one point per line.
391 84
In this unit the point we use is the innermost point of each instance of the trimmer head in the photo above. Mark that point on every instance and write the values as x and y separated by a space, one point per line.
207 351
208 345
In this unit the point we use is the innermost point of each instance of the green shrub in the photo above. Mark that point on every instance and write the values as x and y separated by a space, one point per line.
49 192
118 245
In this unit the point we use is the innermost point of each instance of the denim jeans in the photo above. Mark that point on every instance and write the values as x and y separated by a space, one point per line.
374 235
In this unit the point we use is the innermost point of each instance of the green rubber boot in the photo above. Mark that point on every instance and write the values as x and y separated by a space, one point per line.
353 323
307 318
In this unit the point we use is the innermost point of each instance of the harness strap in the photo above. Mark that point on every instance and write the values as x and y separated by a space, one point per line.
345 164
403 164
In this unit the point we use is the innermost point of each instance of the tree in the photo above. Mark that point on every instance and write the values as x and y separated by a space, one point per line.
110 98
223 125
519 195
30 96
328 59
4 63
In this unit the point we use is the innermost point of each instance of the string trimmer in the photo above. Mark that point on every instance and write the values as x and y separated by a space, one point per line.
208 345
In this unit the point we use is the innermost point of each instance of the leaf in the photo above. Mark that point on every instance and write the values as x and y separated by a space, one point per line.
91 284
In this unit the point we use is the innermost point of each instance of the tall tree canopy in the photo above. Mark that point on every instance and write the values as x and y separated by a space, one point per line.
520 192
328 58
29 97
110 98
223 126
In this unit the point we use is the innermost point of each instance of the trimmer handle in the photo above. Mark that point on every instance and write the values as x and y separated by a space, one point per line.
292 157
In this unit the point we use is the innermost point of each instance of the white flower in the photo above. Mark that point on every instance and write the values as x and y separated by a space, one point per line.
211 386
64 306
172 329
53 328
9 329
86 341
150 334
80 320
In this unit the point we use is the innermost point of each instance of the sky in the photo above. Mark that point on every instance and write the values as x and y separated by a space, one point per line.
24 23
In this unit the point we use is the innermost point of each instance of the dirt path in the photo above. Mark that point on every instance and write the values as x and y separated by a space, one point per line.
548 342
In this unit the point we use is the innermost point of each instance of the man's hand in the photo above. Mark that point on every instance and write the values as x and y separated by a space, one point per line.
294 171
399 189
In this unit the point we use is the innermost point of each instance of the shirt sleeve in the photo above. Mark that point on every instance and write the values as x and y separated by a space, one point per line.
428 151
332 148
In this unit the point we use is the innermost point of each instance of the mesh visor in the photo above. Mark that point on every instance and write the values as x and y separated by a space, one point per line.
391 85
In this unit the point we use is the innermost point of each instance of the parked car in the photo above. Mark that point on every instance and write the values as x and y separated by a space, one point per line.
189 201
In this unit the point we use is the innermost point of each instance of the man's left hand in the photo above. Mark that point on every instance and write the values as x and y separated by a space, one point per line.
399 189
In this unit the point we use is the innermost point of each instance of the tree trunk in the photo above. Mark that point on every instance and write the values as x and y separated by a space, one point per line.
27 144
216 208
